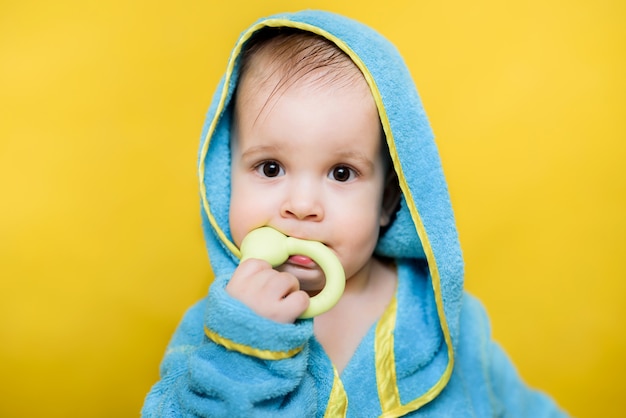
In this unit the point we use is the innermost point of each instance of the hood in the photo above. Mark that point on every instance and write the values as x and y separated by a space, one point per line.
424 227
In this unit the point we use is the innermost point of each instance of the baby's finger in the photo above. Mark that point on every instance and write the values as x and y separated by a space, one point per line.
252 266
243 279
281 285
294 305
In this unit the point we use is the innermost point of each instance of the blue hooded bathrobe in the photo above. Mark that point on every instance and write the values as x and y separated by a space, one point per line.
429 355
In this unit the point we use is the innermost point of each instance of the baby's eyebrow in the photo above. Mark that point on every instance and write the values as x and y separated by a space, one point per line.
259 150
355 157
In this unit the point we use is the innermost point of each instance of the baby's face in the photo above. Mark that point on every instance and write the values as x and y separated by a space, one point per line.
308 163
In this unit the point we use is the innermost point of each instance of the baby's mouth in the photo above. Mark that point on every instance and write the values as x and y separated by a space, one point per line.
301 261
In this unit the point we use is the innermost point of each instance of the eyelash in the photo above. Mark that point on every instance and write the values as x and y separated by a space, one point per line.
268 169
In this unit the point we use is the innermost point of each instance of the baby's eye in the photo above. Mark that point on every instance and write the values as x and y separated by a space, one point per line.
342 173
270 169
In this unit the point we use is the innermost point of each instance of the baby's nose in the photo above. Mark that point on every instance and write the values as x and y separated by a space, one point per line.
304 202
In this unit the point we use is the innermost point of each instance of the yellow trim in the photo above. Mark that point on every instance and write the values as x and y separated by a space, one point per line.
207 139
421 232
419 225
250 351
386 379
417 221
436 280
338 400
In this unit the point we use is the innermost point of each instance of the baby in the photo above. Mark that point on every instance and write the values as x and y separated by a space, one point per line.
318 132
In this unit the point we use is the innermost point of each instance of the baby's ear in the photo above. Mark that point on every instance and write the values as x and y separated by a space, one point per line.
391 198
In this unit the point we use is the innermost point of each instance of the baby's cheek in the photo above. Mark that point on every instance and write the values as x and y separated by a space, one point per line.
237 224
245 215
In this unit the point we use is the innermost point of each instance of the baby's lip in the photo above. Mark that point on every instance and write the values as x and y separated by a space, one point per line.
301 261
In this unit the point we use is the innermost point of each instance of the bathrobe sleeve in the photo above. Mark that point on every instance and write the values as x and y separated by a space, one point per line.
517 399
226 361
510 396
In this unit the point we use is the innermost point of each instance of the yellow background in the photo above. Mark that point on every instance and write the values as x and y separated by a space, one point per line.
101 105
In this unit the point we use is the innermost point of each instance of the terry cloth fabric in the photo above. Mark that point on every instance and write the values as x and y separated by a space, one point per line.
429 355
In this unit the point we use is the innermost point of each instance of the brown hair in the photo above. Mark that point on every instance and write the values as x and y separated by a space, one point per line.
298 56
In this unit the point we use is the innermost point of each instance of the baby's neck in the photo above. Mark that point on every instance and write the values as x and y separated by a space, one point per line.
365 298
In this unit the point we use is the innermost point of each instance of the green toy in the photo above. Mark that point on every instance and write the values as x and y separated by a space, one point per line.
268 244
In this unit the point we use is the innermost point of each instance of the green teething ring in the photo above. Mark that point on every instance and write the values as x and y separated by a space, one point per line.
268 244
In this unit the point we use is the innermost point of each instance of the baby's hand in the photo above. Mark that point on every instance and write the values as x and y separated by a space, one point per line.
269 293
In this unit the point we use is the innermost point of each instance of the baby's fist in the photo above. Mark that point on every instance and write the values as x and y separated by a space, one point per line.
271 294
